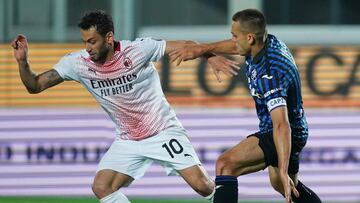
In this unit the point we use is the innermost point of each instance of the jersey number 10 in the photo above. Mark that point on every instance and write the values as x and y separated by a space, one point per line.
175 147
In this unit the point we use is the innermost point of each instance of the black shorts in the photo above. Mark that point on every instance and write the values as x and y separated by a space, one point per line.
266 143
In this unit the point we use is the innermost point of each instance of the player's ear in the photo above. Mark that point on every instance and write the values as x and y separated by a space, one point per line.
250 38
109 37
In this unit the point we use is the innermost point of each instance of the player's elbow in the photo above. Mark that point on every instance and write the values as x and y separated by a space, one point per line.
33 90
190 42
282 126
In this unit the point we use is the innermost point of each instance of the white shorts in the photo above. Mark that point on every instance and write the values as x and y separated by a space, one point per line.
171 148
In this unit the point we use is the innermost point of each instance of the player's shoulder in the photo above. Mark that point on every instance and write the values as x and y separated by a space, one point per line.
73 56
278 52
275 42
277 46
138 42
146 39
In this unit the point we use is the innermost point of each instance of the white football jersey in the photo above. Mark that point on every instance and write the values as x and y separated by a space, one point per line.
127 87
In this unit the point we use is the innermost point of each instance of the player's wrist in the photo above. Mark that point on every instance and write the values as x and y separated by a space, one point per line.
209 56
283 173
208 48
23 62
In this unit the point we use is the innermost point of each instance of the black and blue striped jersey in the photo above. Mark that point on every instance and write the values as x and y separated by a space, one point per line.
274 81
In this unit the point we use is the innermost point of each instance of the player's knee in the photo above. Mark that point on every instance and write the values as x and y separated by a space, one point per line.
101 190
226 166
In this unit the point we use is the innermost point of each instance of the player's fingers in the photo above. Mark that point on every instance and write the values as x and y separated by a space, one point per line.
173 55
20 44
288 197
217 74
227 67
227 72
294 190
13 44
22 38
176 57
231 70
180 59
188 57
174 52
173 58
21 41
235 66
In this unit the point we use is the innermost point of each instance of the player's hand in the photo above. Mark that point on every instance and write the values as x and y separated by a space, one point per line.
186 52
20 46
222 64
289 187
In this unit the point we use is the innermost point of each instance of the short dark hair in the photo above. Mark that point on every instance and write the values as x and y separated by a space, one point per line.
98 19
251 20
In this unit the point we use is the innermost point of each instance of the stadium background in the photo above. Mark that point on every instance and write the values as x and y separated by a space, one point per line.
50 143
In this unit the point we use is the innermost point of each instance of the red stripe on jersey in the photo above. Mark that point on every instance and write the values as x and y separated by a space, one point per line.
138 113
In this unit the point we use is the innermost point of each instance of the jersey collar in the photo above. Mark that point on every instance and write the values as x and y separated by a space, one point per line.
116 46
262 52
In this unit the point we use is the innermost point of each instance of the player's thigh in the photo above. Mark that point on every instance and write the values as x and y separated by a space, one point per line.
245 157
111 179
122 160
172 149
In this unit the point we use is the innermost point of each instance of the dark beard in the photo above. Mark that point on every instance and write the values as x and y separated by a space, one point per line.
103 52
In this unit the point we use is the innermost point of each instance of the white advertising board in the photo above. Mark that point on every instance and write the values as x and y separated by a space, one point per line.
56 151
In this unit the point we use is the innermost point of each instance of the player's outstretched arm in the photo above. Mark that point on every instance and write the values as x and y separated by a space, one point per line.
171 46
192 51
34 83
227 47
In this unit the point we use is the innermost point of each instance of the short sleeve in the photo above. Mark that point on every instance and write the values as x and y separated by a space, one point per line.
66 68
273 87
153 49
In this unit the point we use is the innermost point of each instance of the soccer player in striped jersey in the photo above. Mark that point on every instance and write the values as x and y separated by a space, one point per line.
122 78
274 84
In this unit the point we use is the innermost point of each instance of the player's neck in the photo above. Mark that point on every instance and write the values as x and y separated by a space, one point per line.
256 49
109 55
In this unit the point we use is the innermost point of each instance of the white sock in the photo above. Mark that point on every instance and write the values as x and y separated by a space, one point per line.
115 197
211 196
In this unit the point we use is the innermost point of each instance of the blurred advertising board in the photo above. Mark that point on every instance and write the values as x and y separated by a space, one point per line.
56 151
330 78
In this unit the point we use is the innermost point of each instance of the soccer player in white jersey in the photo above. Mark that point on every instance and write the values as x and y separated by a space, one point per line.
122 78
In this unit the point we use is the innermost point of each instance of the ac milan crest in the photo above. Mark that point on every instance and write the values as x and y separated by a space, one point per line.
127 62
